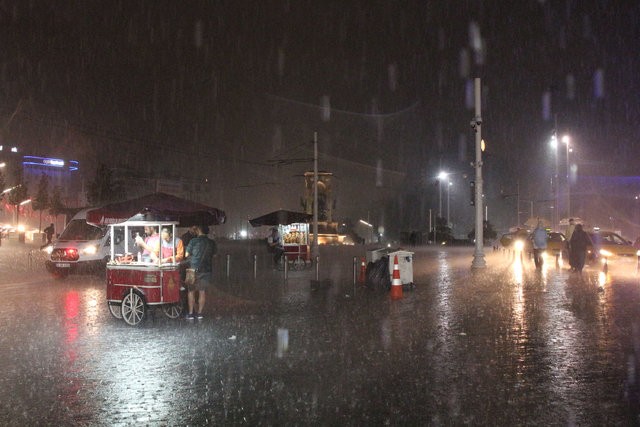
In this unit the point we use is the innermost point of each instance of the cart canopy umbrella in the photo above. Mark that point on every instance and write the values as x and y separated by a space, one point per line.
280 217
157 207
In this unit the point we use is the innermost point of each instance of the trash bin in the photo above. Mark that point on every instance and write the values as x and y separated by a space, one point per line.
405 265
375 254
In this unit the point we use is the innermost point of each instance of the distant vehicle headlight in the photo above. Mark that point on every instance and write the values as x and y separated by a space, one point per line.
518 245
605 252
90 250
638 253
49 249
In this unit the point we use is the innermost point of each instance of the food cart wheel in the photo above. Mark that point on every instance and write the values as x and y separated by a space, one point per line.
115 310
133 309
172 311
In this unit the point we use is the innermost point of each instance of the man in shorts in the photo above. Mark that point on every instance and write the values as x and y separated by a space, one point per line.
200 252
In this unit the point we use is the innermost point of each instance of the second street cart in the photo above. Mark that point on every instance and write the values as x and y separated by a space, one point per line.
295 240
293 228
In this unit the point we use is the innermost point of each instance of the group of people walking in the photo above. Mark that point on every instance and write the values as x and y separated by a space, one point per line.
577 242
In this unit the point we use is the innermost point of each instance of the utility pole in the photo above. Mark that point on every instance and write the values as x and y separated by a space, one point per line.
476 124
314 246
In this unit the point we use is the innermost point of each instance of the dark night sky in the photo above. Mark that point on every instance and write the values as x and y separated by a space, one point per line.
240 82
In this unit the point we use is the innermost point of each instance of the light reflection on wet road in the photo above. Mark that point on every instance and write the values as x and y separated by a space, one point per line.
509 345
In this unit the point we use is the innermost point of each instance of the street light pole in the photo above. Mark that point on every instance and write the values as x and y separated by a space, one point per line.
439 198
556 187
448 198
314 245
441 177
476 124
565 140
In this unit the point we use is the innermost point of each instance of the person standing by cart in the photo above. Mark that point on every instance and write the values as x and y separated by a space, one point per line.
275 245
200 252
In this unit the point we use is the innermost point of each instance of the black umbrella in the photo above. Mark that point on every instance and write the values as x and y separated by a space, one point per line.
280 217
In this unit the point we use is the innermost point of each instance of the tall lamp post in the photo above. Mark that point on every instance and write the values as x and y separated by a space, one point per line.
476 124
565 141
441 177
556 189
448 198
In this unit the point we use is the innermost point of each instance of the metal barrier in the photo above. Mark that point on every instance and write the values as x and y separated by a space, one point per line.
255 266
355 269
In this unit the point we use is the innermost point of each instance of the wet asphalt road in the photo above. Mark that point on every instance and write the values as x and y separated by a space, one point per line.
505 346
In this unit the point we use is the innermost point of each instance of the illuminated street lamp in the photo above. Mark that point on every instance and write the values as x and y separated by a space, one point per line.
554 144
448 191
441 177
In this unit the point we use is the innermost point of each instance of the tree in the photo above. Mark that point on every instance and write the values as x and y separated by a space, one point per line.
488 233
2 186
104 188
41 200
2 181
19 192
443 231
56 206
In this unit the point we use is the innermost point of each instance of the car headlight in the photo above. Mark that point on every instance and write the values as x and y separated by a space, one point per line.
90 250
605 253
519 245
638 253
48 249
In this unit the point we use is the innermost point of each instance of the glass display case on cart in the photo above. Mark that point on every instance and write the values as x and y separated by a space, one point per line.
295 241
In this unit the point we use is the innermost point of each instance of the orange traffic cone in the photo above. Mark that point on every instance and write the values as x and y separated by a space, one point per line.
363 271
396 283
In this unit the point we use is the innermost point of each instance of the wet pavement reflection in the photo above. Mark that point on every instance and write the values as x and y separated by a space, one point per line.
507 345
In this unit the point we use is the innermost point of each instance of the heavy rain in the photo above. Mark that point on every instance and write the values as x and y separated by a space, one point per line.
355 115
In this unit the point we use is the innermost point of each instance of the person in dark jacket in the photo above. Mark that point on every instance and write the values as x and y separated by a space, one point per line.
49 231
200 252
579 242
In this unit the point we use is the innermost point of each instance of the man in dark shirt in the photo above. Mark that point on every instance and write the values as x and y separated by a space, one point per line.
200 252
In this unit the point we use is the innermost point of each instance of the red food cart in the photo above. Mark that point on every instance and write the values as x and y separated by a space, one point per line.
135 285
